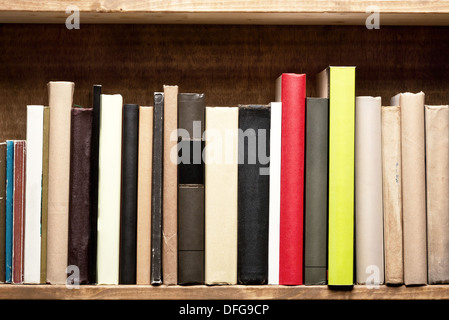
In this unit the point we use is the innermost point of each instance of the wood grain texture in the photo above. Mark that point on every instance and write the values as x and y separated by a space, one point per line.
227 11
231 64
224 292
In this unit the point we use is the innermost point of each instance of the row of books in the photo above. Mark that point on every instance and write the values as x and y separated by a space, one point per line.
334 189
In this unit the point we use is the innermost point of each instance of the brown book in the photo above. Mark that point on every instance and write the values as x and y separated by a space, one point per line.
44 210
437 162
79 241
144 195
170 188
18 210
2 209
392 194
60 96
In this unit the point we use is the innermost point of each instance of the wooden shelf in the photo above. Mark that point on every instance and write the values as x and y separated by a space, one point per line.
226 292
325 12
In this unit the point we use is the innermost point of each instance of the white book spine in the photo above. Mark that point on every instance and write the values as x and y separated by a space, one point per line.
109 182
275 193
368 193
33 190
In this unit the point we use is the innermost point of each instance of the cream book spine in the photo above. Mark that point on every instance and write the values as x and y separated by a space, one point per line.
33 190
60 94
437 162
221 175
368 192
109 184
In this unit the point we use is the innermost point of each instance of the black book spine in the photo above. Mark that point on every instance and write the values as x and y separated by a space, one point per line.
315 189
95 143
253 194
128 218
156 192
191 108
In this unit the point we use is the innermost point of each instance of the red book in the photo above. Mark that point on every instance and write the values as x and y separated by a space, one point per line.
18 210
291 92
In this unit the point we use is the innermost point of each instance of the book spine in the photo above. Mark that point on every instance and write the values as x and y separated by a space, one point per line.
190 189
274 192
368 192
392 194
253 194
2 211
128 222
191 234
94 157
315 191
292 92
44 209
143 262
437 163
33 189
170 188
18 224
79 243
109 183
60 103
9 209
341 175
156 189
413 188
221 208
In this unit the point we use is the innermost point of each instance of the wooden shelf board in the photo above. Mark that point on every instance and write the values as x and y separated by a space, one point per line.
225 292
325 12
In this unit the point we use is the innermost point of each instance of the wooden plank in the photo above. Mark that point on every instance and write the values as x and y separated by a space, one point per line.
238 292
227 12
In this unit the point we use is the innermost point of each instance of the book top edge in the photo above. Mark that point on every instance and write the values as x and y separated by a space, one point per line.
435 107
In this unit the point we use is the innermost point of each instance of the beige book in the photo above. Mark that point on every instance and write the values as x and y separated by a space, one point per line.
368 191
413 186
221 165
392 194
437 162
144 195
60 96
170 188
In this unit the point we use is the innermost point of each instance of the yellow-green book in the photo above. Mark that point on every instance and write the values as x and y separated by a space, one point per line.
338 84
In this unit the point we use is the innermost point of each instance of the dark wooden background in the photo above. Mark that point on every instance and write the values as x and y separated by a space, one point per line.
231 64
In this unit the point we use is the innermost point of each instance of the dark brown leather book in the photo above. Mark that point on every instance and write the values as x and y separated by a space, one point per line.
80 241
